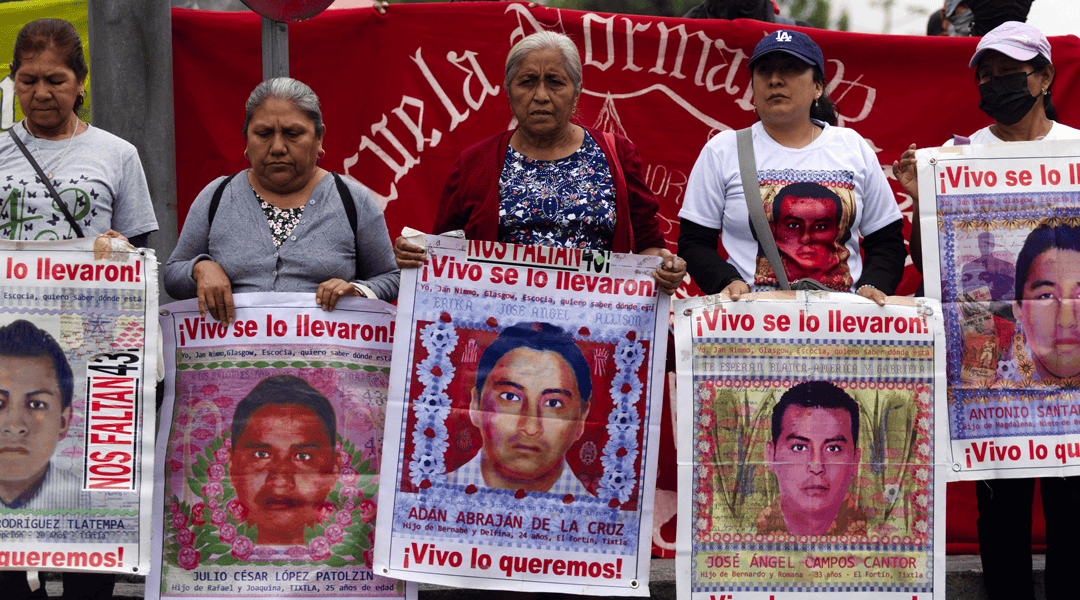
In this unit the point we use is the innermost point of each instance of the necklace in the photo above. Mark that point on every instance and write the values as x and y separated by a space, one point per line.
52 167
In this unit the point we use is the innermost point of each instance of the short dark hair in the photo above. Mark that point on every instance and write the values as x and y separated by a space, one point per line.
542 337
1042 238
23 339
284 390
37 36
809 189
815 394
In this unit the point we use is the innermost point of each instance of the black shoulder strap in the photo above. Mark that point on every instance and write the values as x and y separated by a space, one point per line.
48 184
347 200
215 200
350 212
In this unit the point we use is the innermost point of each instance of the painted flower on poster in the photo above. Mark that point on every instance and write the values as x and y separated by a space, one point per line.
430 437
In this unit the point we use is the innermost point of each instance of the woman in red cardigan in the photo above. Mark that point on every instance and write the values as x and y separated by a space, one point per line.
551 182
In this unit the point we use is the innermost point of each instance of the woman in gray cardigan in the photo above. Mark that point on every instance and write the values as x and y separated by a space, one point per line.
285 224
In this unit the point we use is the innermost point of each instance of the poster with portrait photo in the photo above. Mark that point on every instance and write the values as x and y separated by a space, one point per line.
806 438
521 414
78 369
270 443
811 214
1003 224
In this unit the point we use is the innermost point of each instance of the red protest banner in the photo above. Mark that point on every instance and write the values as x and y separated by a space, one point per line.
404 93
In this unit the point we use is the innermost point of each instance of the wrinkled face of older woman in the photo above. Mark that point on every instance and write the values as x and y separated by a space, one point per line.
47 89
784 88
542 95
282 146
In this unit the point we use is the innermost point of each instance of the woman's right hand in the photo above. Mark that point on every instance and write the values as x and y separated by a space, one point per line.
735 289
407 254
214 290
907 173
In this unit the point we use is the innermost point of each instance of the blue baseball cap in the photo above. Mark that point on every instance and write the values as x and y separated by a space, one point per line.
794 43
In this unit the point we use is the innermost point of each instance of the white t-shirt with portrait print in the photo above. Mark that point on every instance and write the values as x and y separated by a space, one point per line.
839 159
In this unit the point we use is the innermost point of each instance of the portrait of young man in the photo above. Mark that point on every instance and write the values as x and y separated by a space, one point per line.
530 402
809 233
36 387
283 457
1048 301
814 455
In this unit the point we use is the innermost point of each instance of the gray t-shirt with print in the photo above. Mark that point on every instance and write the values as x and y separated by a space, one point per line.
100 179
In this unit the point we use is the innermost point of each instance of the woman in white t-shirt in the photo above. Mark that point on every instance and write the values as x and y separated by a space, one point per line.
831 211
1015 77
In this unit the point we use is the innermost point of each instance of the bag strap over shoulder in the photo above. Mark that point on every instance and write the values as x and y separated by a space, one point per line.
347 200
215 200
350 213
752 191
343 193
48 185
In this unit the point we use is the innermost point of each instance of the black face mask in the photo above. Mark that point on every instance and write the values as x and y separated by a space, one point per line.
1006 99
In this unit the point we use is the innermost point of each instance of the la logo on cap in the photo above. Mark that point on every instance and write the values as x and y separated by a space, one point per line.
783 36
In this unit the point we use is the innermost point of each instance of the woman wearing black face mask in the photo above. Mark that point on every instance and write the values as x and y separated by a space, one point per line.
1015 77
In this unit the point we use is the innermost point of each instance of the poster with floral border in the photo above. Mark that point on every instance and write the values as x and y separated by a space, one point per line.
1007 224
270 442
569 518
837 493
80 351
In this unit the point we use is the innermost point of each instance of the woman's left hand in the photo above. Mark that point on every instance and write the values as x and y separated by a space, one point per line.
331 290
670 274
874 294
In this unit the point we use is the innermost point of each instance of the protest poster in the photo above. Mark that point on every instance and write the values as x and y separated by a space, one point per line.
523 420
270 438
666 83
78 368
1007 241
807 434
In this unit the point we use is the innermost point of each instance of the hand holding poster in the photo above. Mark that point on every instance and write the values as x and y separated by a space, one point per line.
271 442
1008 244
807 444
521 422
77 364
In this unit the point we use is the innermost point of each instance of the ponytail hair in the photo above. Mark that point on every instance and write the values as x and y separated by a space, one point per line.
824 109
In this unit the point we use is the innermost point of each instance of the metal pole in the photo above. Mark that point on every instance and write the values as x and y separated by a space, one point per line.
131 63
275 49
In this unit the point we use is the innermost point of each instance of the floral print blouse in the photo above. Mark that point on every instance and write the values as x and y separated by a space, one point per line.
281 220
569 202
